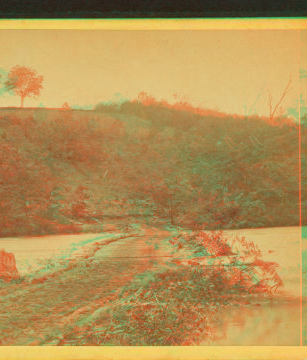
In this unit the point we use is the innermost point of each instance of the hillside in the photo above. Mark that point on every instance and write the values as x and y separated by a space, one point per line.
70 171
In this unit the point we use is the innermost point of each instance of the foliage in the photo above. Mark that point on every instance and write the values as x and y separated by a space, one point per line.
150 163
24 82
175 305
3 79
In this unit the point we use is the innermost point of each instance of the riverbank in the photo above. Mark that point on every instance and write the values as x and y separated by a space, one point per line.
77 280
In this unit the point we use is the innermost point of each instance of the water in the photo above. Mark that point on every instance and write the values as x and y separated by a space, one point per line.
30 251
283 246
276 322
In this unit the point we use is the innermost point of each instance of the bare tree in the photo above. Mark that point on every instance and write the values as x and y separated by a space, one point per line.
252 107
274 109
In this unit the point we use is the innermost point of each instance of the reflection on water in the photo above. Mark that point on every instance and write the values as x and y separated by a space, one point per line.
30 251
276 322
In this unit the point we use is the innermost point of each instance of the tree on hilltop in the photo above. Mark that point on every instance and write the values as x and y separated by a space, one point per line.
24 82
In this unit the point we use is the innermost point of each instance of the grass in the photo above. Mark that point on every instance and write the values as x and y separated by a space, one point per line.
172 307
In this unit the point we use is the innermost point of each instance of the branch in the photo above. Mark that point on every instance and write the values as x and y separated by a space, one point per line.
287 89
229 144
270 103
254 104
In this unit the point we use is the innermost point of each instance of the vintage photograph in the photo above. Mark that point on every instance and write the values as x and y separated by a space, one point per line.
152 187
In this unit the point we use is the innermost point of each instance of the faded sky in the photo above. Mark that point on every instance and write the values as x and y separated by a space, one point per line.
215 69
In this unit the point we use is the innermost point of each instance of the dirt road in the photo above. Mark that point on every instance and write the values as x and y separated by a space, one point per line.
38 312
35 313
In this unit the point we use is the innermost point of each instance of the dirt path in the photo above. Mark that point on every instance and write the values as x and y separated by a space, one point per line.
38 313
29 311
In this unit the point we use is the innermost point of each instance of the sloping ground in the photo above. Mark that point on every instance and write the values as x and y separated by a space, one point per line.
71 171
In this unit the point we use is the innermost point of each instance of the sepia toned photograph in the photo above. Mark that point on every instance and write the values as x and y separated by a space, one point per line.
152 187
